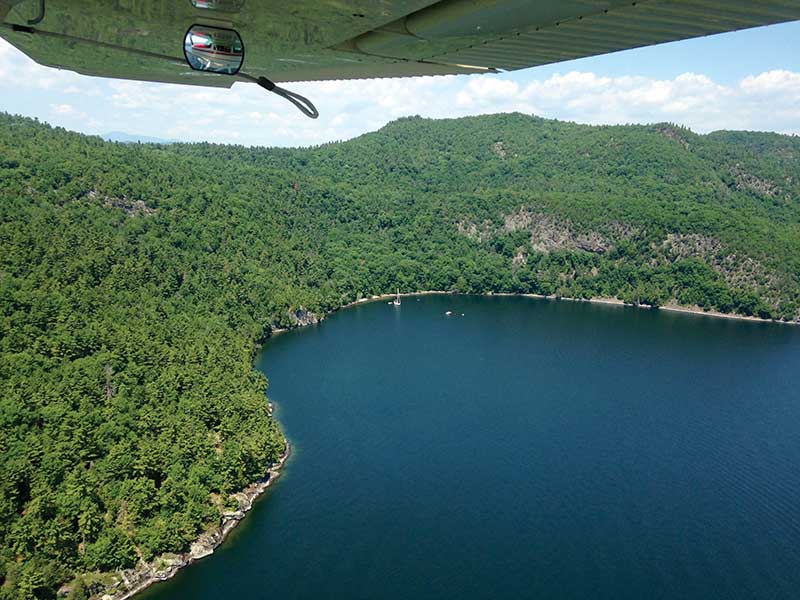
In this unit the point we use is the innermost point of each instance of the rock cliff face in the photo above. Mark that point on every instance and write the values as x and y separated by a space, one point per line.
548 233
302 317
676 134
748 181
131 207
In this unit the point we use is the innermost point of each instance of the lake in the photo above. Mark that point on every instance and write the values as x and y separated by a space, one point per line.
527 449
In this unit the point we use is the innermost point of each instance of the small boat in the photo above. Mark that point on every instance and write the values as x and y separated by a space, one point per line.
397 299
449 312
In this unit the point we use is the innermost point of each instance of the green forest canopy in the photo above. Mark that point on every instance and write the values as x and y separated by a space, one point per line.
136 282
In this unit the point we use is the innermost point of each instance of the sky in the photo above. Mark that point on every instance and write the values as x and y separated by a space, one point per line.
742 80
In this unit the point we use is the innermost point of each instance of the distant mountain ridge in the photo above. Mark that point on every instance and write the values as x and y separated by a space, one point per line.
132 138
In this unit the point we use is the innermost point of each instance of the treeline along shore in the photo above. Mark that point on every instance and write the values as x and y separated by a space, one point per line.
138 280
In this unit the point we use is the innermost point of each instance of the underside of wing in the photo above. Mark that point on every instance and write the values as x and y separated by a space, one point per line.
350 39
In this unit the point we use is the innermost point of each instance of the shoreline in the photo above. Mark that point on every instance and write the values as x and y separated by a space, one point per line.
166 566
696 310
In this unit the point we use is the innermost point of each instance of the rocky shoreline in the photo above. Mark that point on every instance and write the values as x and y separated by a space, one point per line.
132 581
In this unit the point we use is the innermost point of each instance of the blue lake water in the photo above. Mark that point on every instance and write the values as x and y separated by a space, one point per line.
529 449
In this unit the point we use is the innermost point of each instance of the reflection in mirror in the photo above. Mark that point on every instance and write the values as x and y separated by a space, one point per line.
226 5
213 49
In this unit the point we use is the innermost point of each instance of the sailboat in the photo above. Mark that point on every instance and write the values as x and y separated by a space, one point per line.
397 299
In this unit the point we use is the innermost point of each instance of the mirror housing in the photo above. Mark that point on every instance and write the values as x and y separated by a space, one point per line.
213 49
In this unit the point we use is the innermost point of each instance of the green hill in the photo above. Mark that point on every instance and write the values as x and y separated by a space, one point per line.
136 282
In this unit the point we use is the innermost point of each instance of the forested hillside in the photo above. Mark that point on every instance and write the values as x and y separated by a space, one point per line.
136 282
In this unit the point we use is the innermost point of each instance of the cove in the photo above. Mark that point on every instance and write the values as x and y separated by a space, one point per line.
528 449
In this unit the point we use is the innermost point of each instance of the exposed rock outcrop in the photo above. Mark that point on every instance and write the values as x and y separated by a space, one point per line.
303 317
520 259
674 133
549 233
749 182
499 149
131 207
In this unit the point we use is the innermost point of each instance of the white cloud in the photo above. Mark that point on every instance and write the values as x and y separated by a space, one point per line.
784 83
62 109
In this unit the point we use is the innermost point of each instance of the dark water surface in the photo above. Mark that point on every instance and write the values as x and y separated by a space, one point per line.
529 449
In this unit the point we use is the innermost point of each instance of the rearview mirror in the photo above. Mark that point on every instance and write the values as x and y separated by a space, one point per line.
213 49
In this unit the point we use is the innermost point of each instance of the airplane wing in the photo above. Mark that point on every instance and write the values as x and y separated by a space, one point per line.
301 40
